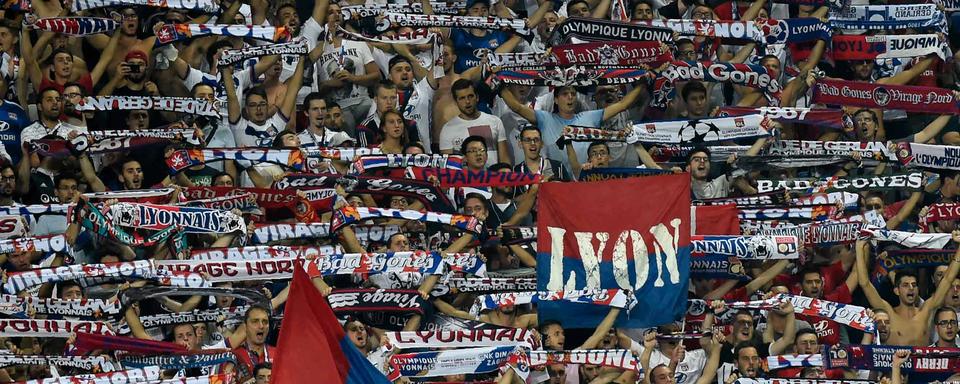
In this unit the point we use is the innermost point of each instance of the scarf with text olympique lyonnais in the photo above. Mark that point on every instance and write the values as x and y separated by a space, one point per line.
575 75
50 328
871 150
232 56
748 75
484 285
263 252
915 258
764 162
910 98
822 234
76 26
832 118
457 361
698 131
912 181
195 5
426 192
195 316
609 297
606 30
862 47
86 363
17 306
169 33
886 17
420 160
182 159
929 156
152 196
349 215
202 107
455 178
368 10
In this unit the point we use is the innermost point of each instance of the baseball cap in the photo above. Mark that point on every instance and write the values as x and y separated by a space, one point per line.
471 3
136 54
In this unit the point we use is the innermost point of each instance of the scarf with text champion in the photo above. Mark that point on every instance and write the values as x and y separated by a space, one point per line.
832 118
187 105
929 156
605 30
232 56
75 26
454 178
185 158
881 96
853 47
576 75
885 17
94 308
610 297
169 33
86 363
912 181
194 5
699 131
349 215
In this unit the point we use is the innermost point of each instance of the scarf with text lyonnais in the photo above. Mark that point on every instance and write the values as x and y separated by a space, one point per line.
97 223
876 96
462 338
46 244
76 26
187 105
916 258
846 314
350 215
180 361
768 199
608 297
169 33
196 5
576 75
940 212
818 212
263 252
605 30
195 316
601 174
698 131
765 162
517 235
420 160
232 56
872 150
96 308
912 181
862 47
517 26
86 363
454 178
788 361
747 247
18 281
270 232
822 234
341 154
929 156
617 358
716 266
646 54
218 271
748 75
426 192
453 362
882 17
155 196
186 158
484 284
376 300
832 118
160 217
908 239
248 295
880 357
50 328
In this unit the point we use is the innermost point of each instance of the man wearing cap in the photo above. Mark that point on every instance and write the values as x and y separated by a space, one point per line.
131 80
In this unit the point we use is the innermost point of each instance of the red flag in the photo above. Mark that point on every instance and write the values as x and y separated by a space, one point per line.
716 220
312 343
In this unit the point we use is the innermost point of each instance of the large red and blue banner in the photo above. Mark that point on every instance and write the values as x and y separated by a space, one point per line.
631 234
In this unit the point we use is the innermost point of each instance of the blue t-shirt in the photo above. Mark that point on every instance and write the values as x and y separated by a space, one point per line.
13 119
465 43
551 127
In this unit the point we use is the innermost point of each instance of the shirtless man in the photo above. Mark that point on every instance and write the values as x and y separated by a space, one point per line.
908 323
129 27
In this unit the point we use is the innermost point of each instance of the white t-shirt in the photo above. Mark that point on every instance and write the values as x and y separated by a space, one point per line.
688 371
486 125
37 131
243 79
248 134
330 138
419 109
356 56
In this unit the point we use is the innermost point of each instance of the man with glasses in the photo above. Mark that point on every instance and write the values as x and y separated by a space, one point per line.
945 321
534 162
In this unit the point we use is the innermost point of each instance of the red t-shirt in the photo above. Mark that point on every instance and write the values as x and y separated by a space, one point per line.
85 81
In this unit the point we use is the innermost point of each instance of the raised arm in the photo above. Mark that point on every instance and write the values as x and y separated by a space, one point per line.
90 174
230 88
789 330
941 293
622 105
905 210
290 97
933 129
521 109
601 330
873 297
136 327
105 57
766 276
907 76
29 61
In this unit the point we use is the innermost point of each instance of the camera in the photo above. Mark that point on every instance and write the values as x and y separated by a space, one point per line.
133 67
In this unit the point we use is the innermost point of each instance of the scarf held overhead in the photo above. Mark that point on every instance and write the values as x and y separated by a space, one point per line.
698 131
176 32
929 156
186 105
876 96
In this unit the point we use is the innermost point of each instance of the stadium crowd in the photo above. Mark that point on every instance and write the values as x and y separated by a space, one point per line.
168 165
